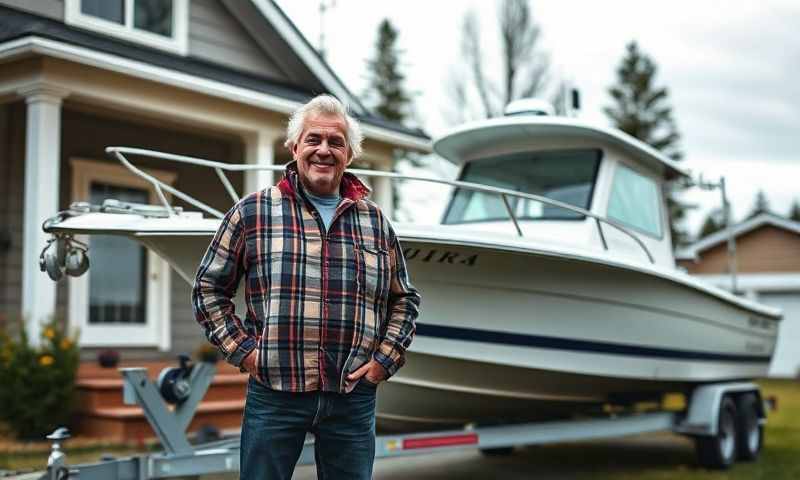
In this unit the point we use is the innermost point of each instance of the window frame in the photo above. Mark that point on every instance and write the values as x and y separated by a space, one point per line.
600 159
659 202
178 43
156 330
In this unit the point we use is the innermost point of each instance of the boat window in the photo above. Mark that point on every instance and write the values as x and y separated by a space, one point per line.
635 202
564 175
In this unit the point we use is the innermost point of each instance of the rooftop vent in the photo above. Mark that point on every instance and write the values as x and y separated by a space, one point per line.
529 106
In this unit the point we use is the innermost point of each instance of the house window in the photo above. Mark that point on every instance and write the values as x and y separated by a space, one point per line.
111 10
118 282
157 23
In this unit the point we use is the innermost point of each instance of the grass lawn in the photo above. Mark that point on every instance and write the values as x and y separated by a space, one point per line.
18 456
645 457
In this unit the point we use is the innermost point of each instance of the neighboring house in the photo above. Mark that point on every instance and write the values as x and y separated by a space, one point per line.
768 270
206 78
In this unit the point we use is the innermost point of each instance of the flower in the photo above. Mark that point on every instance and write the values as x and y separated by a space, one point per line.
46 360
66 343
49 332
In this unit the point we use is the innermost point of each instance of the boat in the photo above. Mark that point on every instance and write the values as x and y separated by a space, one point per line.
549 287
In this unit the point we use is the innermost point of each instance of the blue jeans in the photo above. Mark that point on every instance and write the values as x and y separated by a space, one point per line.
275 424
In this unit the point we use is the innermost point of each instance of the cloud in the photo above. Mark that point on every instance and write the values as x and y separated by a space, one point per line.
731 67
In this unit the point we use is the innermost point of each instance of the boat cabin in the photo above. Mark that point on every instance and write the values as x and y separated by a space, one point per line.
597 169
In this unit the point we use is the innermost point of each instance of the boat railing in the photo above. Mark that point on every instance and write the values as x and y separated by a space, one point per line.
220 168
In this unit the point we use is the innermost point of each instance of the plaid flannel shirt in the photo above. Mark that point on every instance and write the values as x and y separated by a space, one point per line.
319 304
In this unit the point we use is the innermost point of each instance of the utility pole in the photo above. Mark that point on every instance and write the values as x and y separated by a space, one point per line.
324 5
726 208
726 215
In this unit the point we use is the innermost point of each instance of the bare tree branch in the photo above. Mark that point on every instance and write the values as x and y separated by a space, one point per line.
471 47
524 70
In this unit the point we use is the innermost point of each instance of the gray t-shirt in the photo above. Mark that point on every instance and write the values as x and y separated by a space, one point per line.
326 206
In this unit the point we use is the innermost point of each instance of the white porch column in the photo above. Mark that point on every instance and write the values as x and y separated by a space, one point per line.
259 150
42 161
382 190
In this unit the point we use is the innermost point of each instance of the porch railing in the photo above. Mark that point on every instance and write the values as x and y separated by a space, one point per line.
220 168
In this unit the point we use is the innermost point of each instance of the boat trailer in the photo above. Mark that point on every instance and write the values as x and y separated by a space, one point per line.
706 419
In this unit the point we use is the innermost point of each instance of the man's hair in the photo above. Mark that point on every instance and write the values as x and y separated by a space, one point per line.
324 105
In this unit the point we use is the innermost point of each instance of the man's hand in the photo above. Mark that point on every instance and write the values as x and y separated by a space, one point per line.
372 370
249 362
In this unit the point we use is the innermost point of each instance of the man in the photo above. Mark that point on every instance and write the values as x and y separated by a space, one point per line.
330 308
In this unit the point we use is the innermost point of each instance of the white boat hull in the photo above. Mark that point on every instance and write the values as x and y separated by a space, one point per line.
511 333
520 335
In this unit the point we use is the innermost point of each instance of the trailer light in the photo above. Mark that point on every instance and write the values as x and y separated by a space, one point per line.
443 441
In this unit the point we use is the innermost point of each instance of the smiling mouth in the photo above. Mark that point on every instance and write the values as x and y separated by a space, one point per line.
322 164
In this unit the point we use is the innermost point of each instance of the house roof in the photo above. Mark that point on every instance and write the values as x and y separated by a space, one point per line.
716 238
15 25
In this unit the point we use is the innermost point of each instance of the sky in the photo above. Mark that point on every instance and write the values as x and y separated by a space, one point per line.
731 68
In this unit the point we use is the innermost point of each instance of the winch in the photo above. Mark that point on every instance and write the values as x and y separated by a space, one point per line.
173 382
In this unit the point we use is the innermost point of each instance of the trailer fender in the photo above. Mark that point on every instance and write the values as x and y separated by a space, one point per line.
704 405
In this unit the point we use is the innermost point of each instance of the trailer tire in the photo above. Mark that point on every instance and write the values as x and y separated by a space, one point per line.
749 430
497 452
719 451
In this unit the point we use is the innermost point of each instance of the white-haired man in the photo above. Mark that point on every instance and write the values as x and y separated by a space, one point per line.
330 308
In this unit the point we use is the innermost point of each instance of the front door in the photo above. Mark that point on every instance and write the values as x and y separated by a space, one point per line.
122 300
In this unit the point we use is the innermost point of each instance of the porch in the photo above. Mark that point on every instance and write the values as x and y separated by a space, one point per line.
56 118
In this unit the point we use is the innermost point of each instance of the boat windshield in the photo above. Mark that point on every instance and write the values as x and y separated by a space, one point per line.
564 175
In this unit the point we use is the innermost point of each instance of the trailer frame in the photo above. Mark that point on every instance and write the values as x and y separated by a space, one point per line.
700 420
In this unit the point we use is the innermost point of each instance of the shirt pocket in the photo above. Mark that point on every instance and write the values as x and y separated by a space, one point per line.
374 269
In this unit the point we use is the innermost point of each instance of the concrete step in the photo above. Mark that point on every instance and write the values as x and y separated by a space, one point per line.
129 423
101 393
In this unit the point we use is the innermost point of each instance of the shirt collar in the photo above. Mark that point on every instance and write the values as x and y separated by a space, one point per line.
351 187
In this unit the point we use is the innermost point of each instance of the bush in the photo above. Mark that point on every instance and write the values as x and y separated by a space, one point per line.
38 384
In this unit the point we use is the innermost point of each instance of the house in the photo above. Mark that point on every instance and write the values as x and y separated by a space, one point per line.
212 79
767 270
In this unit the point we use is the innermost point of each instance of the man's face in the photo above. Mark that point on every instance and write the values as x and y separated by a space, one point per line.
322 154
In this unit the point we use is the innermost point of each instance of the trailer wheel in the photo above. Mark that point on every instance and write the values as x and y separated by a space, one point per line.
749 431
719 451
497 452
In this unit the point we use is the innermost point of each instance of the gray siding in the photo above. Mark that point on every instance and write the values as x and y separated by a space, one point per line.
47 8
85 135
215 35
12 175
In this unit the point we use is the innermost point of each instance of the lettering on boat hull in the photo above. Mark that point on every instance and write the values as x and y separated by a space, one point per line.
439 256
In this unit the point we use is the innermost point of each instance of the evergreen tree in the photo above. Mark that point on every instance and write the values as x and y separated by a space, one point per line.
641 110
761 205
386 92
794 211
713 223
